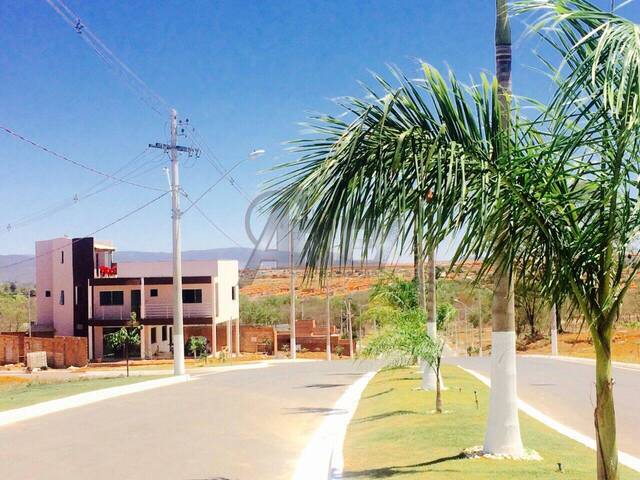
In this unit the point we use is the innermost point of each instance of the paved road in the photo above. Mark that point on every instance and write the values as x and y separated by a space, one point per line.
240 425
565 391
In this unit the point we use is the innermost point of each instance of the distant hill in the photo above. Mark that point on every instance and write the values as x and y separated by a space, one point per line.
25 272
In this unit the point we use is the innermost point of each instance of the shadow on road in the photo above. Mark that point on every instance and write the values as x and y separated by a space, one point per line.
321 410
388 472
324 385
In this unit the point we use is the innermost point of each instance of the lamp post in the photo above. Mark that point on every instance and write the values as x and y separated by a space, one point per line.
466 324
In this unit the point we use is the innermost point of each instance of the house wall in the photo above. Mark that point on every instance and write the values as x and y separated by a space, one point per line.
190 268
227 278
114 312
154 306
54 275
159 346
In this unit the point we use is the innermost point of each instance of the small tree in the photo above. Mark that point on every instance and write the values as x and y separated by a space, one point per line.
197 346
446 312
129 335
404 341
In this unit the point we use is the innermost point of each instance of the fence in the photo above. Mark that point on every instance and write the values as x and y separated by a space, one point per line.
62 352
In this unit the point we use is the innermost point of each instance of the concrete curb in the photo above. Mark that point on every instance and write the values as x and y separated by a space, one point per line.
9 417
322 458
585 361
624 458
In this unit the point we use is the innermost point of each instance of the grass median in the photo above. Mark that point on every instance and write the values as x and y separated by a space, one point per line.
16 392
395 434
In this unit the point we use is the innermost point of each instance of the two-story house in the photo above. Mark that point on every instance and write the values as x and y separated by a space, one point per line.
81 291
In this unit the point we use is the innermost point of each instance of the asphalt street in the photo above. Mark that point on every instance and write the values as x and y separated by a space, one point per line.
565 391
237 425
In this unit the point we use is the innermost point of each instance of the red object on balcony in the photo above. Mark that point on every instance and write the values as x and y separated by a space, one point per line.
111 271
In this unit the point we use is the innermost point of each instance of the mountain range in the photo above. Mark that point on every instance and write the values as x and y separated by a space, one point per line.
21 268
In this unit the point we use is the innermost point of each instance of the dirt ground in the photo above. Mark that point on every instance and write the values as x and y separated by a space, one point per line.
625 348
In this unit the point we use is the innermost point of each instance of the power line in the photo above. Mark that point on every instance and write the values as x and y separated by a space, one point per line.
118 220
75 162
90 192
147 95
206 217
215 161
212 186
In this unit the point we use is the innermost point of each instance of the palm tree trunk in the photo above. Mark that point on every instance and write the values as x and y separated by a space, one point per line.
429 378
503 428
438 389
605 415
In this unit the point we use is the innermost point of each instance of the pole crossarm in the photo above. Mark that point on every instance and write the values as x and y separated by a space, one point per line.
179 148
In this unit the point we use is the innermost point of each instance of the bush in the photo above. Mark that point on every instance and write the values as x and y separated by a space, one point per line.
197 346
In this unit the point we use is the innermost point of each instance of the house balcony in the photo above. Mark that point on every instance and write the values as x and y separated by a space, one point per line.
190 310
161 311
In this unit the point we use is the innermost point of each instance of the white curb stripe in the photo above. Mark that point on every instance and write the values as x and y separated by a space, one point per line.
322 458
634 367
624 458
32 411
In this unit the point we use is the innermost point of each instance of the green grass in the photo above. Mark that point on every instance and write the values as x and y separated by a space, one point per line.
395 434
24 394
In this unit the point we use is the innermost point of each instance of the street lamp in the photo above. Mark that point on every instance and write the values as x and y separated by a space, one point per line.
466 324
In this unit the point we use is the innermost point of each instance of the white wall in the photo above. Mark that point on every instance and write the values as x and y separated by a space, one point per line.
227 278
190 268
55 276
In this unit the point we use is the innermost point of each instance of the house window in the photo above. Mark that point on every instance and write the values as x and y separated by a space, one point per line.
153 335
47 293
62 256
115 297
154 292
61 297
192 296
164 333
233 292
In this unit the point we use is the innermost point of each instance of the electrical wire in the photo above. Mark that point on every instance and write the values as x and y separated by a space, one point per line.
51 210
118 220
200 142
75 162
206 217
146 93
212 186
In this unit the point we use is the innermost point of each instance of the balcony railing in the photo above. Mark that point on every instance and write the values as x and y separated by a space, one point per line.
190 310
161 310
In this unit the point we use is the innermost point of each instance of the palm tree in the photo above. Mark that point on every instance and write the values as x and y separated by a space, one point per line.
503 426
594 124
362 179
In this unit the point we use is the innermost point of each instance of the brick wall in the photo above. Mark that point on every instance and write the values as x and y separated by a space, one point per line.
62 352
11 348
250 335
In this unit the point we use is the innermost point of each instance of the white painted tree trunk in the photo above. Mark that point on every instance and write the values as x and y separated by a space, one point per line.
554 330
503 426
428 375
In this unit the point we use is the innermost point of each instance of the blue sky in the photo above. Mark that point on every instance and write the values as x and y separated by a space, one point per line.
244 73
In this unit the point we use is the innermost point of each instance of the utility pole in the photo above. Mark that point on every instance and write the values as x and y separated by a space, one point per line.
349 327
328 322
292 295
479 325
178 328
554 330
29 310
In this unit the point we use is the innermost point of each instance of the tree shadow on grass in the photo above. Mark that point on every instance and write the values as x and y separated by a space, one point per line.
388 472
378 394
380 416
